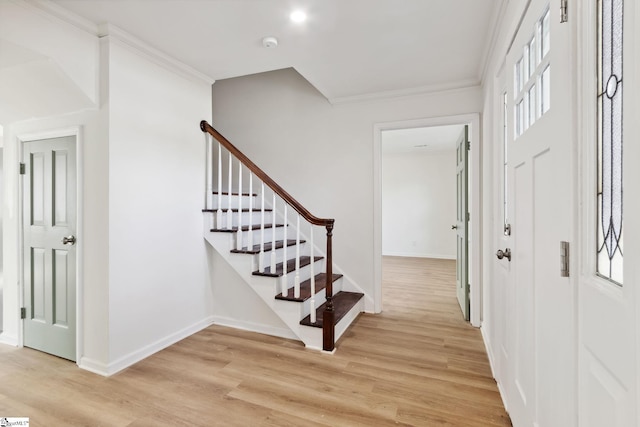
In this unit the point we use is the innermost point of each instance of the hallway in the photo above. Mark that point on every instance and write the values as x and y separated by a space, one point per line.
418 363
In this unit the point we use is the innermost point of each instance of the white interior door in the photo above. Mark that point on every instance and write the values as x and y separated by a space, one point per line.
49 246
462 223
541 336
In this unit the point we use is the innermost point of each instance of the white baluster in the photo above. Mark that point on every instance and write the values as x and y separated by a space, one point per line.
219 211
273 235
208 180
239 234
250 222
207 170
312 301
284 255
229 217
296 283
261 265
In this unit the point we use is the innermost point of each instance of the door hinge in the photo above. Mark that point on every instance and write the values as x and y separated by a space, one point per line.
23 312
564 14
23 168
468 145
468 216
564 259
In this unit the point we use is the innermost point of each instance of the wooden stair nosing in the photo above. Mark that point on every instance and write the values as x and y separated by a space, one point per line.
235 210
226 193
244 228
291 266
267 247
305 288
342 302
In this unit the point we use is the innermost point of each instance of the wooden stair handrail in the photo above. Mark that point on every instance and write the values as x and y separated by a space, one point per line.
206 127
328 316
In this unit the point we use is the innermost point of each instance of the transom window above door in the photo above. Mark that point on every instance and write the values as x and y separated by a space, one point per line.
532 77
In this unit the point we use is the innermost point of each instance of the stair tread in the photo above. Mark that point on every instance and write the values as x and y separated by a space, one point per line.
236 210
267 247
305 288
342 303
226 193
291 266
244 228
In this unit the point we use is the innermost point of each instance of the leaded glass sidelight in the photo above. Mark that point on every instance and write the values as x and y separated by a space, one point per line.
609 246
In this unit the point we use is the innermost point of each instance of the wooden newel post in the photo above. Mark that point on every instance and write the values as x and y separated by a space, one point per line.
328 327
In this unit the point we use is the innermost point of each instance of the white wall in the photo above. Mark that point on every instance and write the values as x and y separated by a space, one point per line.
322 154
249 311
144 272
53 64
158 288
419 204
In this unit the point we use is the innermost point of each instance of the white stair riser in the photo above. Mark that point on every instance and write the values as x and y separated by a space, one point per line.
267 234
305 273
247 218
253 218
291 252
312 337
213 203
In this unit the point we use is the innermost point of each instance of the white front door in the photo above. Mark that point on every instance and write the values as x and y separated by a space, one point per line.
49 226
609 285
540 343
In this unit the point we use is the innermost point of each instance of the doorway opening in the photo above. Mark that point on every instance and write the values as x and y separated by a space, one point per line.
415 199
419 204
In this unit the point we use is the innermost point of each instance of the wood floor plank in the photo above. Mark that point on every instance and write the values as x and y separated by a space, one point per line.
418 363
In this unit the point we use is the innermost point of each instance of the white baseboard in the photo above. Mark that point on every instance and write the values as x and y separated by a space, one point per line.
8 340
418 255
490 356
93 366
138 355
255 327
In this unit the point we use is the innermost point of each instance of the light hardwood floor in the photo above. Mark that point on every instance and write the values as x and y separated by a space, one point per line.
418 363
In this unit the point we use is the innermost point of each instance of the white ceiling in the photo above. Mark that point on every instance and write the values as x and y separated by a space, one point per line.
421 140
347 48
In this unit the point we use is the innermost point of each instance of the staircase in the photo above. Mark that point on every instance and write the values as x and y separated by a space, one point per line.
268 237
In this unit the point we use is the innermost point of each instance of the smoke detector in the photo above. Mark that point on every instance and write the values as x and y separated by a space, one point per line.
270 42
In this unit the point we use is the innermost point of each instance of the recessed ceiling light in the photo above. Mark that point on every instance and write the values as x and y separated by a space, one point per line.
298 16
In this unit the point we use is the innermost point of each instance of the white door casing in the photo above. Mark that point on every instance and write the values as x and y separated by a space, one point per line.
501 309
540 339
475 205
49 216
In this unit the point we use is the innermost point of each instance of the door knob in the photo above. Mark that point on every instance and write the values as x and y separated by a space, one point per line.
504 254
454 227
70 240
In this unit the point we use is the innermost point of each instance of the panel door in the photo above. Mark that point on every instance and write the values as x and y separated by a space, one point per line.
541 337
49 246
462 224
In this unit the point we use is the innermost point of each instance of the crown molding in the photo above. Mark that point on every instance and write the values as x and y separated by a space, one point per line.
401 93
55 11
50 9
496 24
113 33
